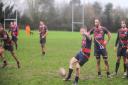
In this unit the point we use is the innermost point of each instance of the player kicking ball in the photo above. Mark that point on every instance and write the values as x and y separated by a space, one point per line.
82 57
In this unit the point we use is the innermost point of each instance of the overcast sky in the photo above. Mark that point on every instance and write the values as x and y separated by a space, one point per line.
121 3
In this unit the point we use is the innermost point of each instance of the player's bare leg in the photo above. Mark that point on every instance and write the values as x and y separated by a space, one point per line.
43 49
14 56
2 57
77 73
71 64
127 67
4 61
16 45
124 59
107 68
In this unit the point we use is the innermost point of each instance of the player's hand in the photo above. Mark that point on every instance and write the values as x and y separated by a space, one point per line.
105 42
42 36
115 48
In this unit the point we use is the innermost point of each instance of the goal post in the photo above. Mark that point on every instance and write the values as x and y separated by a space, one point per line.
11 17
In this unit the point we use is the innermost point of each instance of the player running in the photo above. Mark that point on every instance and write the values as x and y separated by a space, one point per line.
121 44
14 33
2 53
100 46
82 57
43 30
8 44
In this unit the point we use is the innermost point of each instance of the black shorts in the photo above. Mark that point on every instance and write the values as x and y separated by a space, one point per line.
100 52
42 41
81 58
14 38
8 47
121 52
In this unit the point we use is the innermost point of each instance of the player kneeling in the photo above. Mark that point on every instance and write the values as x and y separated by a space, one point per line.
82 57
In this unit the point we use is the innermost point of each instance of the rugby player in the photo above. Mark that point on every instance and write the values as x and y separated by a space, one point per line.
14 33
100 46
8 44
82 57
43 31
121 45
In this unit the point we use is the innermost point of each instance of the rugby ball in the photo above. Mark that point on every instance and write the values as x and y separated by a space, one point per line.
62 72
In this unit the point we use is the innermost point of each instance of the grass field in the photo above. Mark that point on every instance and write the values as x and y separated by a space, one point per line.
43 70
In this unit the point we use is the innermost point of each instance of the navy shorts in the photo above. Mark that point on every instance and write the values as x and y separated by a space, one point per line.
42 41
14 38
121 52
8 47
81 58
100 52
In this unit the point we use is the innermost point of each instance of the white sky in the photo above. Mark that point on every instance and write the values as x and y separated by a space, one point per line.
121 3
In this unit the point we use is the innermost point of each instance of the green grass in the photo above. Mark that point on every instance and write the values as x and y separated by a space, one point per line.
61 46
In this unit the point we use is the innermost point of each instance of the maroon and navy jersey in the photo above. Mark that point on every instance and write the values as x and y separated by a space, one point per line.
14 31
122 37
43 29
99 34
86 46
5 37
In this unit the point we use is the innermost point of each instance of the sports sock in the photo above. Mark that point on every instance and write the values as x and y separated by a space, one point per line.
99 73
124 67
117 67
76 79
69 73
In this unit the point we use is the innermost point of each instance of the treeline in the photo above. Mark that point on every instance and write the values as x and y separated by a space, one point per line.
60 17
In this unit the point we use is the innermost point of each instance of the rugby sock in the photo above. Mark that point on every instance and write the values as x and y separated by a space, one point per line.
76 79
124 67
43 53
69 73
117 67
99 73
4 62
108 73
127 69
16 46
